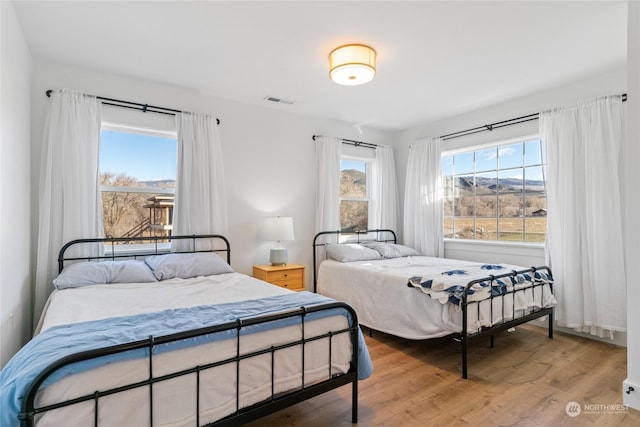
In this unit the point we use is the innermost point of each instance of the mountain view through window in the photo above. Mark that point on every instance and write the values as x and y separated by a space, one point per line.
137 182
496 193
354 202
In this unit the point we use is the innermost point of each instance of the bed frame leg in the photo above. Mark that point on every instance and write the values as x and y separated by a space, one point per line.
354 402
491 345
464 357
551 325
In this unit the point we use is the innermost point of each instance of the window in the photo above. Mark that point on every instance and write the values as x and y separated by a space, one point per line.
496 193
354 195
137 181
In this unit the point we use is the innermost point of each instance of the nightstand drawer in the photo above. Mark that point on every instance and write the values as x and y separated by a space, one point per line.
294 285
284 275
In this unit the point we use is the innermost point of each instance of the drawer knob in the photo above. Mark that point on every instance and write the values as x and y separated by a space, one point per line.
285 275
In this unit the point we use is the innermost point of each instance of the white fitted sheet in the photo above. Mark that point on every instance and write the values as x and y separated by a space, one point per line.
175 399
378 291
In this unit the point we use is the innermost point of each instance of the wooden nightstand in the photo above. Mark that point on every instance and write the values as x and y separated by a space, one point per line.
290 276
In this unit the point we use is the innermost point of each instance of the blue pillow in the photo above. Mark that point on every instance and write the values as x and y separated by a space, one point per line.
187 265
392 250
347 252
103 272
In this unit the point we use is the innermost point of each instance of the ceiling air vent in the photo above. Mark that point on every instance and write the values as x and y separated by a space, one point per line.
279 100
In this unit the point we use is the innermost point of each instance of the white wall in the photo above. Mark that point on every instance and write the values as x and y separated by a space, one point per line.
268 154
632 206
15 186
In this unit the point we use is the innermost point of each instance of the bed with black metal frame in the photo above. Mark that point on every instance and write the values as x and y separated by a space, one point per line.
31 411
466 334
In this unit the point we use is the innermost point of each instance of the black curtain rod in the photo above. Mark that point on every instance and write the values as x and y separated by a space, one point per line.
491 126
503 123
352 142
146 108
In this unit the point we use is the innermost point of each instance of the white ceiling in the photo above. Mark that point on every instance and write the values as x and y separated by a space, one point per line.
435 59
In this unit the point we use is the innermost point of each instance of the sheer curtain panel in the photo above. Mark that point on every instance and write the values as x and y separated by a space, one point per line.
327 173
200 199
584 244
423 198
384 189
69 197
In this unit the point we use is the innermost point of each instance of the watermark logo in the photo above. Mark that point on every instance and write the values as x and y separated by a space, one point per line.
573 409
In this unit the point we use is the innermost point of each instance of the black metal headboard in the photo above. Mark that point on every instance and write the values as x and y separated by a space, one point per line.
154 247
378 235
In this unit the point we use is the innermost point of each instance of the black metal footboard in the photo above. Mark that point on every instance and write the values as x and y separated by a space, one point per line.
31 411
467 333
537 289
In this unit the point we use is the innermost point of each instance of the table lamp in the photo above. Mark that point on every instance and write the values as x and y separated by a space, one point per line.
279 228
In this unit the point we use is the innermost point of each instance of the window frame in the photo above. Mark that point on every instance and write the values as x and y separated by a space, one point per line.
472 149
145 131
368 162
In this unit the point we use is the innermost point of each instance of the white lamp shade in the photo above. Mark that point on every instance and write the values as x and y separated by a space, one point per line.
278 228
352 64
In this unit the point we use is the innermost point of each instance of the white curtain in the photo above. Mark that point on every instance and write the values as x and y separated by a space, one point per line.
327 173
200 199
69 197
384 190
423 198
584 244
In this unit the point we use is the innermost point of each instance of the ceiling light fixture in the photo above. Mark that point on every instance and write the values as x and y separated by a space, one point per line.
352 64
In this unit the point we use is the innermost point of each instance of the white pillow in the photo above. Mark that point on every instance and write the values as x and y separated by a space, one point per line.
391 250
187 265
103 272
351 252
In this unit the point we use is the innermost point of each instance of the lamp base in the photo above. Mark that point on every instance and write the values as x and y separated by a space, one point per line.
278 256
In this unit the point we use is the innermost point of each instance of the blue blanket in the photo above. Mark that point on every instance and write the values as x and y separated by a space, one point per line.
63 340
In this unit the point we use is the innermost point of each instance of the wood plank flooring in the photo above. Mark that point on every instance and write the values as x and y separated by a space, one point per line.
526 380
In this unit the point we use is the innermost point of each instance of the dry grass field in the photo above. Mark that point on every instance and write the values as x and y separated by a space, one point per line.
531 229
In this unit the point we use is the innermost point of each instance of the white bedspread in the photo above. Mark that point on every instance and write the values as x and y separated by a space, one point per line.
102 301
378 291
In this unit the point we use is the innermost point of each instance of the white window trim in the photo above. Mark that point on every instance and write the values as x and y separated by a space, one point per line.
483 146
496 243
136 248
106 189
492 144
160 133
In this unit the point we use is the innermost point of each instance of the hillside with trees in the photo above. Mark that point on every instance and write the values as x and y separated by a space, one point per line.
354 214
124 212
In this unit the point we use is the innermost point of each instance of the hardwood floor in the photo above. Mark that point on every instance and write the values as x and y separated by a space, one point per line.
526 380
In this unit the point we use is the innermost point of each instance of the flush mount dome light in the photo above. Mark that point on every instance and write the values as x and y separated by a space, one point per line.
352 64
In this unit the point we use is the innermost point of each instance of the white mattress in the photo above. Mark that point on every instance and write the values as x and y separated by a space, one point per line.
175 399
102 301
378 291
